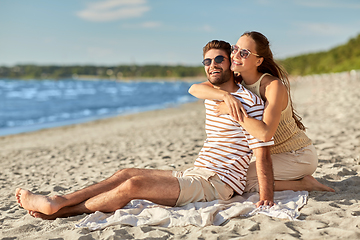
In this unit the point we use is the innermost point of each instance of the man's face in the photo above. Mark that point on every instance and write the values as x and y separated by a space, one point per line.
217 73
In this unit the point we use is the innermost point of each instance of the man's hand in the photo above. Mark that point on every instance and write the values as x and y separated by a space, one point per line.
265 203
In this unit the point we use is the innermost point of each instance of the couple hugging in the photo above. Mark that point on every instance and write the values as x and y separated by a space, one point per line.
255 142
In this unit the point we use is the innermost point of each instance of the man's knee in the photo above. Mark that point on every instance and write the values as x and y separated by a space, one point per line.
125 173
133 185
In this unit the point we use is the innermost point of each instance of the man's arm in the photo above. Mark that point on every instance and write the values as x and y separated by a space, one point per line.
265 175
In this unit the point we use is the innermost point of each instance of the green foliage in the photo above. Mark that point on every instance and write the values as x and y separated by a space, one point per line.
117 72
339 59
342 58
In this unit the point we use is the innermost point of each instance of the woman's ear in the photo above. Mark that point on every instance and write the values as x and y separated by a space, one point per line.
259 61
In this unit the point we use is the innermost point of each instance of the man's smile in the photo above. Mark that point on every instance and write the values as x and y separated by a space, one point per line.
214 72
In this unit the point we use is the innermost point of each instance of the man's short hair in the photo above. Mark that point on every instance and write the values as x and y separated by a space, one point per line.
217 44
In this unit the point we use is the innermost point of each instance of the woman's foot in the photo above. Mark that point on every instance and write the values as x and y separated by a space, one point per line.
311 184
307 183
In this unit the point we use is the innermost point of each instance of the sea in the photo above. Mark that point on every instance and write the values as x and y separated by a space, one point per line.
30 105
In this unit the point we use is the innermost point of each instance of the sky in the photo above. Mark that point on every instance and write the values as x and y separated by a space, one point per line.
165 32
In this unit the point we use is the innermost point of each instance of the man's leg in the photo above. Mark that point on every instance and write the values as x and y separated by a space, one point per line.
161 188
50 205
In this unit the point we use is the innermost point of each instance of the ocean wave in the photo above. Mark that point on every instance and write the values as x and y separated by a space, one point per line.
32 104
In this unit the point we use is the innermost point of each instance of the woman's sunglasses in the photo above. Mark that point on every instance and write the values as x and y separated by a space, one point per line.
217 59
244 53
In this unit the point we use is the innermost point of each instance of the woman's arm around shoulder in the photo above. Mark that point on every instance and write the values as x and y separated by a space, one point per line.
274 93
206 90
275 96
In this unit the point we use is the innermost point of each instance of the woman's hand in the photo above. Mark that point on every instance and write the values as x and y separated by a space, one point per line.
232 106
222 109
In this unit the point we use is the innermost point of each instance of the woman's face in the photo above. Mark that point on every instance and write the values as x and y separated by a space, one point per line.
239 64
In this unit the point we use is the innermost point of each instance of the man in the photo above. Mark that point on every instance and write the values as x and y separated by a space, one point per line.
219 171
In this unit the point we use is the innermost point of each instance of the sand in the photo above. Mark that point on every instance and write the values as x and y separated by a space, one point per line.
61 160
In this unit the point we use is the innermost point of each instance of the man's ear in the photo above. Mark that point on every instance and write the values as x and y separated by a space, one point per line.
259 61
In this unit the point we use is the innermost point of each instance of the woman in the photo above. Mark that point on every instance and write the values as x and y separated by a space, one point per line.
293 155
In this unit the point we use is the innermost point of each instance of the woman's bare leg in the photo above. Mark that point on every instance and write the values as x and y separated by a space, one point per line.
307 183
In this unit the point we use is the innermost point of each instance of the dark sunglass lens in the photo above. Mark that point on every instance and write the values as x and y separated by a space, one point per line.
219 59
206 62
244 53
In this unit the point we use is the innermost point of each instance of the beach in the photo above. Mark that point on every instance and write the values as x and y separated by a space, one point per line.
64 159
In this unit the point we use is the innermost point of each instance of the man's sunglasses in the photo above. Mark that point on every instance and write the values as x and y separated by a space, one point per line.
217 59
244 53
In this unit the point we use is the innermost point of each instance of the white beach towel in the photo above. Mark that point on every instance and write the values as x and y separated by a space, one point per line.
142 212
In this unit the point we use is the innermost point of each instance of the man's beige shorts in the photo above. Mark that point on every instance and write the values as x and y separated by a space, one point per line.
201 185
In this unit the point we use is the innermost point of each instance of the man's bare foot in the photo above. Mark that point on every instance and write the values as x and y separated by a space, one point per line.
42 216
62 213
38 203
311 184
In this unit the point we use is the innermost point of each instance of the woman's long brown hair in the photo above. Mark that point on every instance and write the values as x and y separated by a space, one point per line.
270 66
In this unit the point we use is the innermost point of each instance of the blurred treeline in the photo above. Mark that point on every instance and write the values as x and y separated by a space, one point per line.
342 58
116 72
339 59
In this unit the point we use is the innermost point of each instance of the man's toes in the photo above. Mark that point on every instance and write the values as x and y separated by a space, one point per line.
18 192
32 213
18 195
